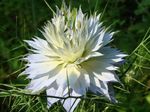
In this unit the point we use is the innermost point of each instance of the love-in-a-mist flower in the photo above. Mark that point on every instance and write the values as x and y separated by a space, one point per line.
72 58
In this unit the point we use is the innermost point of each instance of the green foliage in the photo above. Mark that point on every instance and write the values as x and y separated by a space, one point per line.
21 19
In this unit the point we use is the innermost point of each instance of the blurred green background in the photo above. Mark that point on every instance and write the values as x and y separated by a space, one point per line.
22 19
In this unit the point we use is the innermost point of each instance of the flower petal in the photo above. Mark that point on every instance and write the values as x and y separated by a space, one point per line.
37 85
111 55
70 103
51 91
36 69
62 78
73 75
107 76
82 83
40 46
58 92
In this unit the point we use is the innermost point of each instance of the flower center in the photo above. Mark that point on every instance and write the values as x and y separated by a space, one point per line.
71 57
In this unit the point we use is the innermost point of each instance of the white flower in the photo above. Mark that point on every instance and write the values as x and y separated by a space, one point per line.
72 59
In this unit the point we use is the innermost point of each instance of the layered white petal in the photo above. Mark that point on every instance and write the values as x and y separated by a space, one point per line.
36 69
58 92
51 91
111 55
41 46
62 80
72 59
82 83
107 76
71 103
33 58
73 74
37 85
